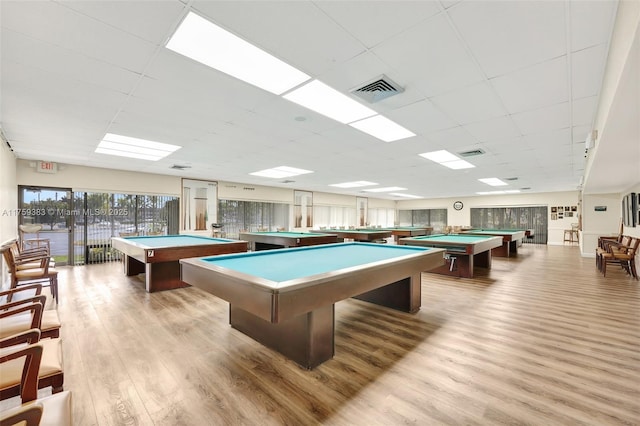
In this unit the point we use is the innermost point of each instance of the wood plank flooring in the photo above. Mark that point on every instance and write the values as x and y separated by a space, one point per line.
540 339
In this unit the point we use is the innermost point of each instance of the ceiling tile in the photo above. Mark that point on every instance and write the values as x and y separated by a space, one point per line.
470 104
591 22
587 69
311 42
507 35
538 86
584 110
494 128
57 25
134 17
372 25
543 119
433 67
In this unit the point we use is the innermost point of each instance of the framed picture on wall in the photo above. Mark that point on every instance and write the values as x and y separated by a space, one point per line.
554 210
638 208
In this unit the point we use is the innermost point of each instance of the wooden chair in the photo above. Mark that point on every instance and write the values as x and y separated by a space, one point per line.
49 374
51 410
606 245
27 313
29 258
39 272
623 255
36 242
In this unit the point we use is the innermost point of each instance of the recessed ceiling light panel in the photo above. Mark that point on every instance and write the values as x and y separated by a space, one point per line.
382 128
493 181
280 172
386 189
203 41
327 101
356 184
126 146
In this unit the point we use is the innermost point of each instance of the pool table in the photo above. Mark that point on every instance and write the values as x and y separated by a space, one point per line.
285 298
463 251
366 235
510 239
273 240
157 256
405 231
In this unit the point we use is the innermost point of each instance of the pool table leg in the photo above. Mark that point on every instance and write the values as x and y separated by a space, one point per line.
503 251
163 276
307 339
133 266
403 295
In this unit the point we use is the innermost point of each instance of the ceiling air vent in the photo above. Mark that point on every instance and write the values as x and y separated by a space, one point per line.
287 181
179 167
510 178
377 89
471 153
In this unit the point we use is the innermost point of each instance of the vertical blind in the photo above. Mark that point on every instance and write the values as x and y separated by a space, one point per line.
236 216
436 218
104 215
532 218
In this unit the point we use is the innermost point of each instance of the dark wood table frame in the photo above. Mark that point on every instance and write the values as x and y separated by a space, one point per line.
267 241
296 318
161 264
461 257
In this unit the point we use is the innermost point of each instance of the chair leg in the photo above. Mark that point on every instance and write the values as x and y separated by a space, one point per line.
54 288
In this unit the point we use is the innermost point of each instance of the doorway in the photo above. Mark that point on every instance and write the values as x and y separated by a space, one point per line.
46 219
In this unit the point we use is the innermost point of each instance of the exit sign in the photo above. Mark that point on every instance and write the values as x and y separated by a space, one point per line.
46 167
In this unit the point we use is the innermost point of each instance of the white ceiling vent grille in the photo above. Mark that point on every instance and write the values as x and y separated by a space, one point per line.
377 89
471 153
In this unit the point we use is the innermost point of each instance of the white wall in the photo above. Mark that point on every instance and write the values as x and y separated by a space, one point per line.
463 217
246 192
8 194
8 202
93 179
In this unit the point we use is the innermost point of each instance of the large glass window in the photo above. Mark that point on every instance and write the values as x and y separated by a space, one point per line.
532 218
334 216
382 217
98 216
236 216
436 218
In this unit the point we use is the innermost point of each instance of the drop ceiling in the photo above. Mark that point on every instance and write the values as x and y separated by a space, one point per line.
518 80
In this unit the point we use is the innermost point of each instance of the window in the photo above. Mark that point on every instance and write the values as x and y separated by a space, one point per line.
236 216
436 218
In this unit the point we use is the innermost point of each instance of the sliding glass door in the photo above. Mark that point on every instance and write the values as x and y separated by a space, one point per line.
46 219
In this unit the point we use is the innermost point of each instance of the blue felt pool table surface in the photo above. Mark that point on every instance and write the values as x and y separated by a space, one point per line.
288 264
175 240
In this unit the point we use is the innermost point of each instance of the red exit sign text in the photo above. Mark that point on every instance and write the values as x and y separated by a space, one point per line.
47 167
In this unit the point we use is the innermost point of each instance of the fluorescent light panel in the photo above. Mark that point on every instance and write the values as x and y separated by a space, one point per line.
356 184
439 156
327 101
447 159
493 181
387 189
510 191
203 41
126 146
460 164
399 194
280 172
382 128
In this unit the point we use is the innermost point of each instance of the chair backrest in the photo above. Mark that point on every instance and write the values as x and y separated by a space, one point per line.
7 254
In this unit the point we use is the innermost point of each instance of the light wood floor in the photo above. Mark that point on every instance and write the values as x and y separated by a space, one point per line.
541 339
